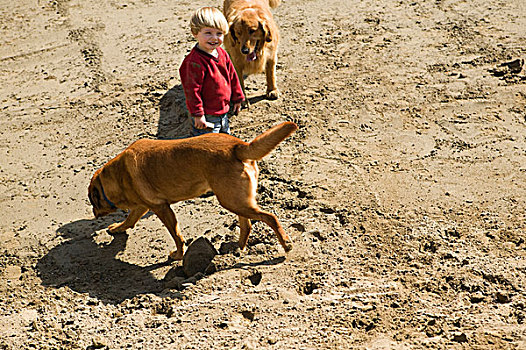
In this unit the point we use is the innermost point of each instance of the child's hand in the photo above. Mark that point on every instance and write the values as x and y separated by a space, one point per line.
200 122
236 107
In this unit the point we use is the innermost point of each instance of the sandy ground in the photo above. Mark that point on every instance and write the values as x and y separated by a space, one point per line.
403 190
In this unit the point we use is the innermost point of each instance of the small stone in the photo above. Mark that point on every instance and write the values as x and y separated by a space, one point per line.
514 66
271 339
502 297
477 298
228 248
460 337
98 343
249 315
298 227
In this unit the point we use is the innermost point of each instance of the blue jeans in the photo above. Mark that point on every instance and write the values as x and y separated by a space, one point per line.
221 124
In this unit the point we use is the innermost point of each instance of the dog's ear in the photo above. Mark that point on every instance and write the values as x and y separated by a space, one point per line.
94 197
94 194
232 32
266 31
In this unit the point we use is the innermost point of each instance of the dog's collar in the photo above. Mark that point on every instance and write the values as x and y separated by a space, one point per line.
112 205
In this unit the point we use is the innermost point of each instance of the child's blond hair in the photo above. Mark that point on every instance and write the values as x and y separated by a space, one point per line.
208 17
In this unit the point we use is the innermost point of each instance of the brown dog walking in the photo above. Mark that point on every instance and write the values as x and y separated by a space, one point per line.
152 174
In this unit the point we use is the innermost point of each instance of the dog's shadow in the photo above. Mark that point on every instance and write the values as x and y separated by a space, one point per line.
255 99
87 267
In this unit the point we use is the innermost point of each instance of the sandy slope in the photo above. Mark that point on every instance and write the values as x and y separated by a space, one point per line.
403 191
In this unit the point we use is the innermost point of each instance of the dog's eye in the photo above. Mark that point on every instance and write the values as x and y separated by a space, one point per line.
251 31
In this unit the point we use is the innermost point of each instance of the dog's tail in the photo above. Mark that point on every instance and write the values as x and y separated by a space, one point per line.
265 143
274 3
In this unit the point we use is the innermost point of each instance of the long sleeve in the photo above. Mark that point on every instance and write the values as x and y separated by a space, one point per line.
192 77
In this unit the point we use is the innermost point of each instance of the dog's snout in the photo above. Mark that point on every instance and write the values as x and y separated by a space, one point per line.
245 50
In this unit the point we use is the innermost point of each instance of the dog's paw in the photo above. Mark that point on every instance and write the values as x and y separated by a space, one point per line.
176 255
287 247
273 95
116 228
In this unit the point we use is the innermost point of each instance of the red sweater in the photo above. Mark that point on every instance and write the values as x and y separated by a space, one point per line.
210 83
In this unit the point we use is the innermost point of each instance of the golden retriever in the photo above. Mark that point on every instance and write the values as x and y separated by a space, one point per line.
152 174
252 40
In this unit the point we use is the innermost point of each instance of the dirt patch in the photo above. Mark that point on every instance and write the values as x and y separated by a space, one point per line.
403 190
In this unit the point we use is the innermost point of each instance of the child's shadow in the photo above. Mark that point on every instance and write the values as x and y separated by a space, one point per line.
87 267
173 115
174 122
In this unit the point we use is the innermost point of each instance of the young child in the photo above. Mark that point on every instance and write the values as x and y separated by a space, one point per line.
209 79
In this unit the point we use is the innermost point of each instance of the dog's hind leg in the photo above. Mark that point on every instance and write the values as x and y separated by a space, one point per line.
268 218
244 205
167 216
271 220
134 216
245 226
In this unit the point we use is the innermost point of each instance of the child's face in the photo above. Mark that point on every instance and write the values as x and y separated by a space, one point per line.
209 39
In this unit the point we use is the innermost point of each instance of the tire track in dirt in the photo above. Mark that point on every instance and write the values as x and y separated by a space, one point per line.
85 37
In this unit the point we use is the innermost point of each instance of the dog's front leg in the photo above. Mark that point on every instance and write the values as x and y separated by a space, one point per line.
245 103
167 216
134 216
272 88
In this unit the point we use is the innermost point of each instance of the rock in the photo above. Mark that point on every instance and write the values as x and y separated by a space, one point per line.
460 337
502 297
255 277
198 256
258 249
249 315
272 339
228 248
477 298
298 227
221 262
514 66
511 67
98 343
